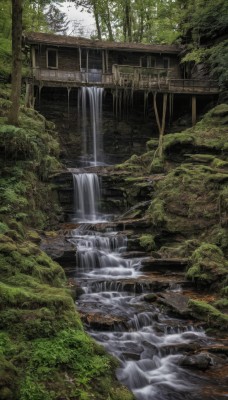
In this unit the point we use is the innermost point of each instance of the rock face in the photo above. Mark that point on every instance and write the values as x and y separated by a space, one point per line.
200 361
122 135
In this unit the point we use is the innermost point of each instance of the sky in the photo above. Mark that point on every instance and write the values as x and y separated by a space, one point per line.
81 23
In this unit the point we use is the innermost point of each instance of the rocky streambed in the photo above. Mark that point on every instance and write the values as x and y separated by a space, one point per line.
137 307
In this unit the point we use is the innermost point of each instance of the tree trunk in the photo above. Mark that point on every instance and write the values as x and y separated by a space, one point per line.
108 24
96 16
127 31
16 61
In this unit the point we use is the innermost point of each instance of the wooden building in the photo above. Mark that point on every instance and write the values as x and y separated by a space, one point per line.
64 61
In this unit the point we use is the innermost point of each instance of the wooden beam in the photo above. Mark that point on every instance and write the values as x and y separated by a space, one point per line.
80 58
160 124
156 111
164 107
193 110
103 61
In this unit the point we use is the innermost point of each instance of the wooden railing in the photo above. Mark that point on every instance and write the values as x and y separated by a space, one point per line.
92 76
125 76
193 85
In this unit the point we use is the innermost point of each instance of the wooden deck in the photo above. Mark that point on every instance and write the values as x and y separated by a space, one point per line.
125 77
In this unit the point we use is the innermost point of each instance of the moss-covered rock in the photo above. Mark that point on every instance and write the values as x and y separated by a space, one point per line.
208 265
147 242
206 312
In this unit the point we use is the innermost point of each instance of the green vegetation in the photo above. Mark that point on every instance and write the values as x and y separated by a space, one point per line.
188 209
147 241
201 27
208 265
206 312
44 351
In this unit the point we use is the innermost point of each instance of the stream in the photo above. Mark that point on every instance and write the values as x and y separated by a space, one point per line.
149 344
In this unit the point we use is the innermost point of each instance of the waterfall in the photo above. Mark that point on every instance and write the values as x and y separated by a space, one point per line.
146 341
86 196
91 108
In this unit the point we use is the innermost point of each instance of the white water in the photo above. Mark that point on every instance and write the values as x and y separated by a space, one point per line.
90 105
86 196
142 337
148 354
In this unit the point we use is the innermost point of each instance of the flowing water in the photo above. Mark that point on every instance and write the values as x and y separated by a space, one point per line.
86 196
148 343
90 111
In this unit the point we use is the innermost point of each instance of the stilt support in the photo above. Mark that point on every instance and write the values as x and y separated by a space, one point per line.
68 102
160 124
193 110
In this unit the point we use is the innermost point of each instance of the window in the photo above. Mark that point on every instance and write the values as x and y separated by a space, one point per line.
151 62
52 58
148 62
166 62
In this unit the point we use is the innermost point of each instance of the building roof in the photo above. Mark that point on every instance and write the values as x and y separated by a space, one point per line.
72 41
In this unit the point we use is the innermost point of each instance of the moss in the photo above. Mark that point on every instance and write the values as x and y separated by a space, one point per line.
7 247
147 242
208 265
3 228
218 163
221 304
220 111
156 212
152 144
209 314
178 142
68 363
157 165
219 237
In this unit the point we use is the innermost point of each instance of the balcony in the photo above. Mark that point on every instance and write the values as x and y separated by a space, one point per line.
126 77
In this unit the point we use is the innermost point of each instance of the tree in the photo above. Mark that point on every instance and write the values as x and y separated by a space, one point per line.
147 21
16 61
56 19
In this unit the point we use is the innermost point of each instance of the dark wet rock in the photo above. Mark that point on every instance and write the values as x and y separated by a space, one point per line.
150 298
133 254
176 302
59 248
100 321
151 263
75 288
131 356
199 361
217 349
179 348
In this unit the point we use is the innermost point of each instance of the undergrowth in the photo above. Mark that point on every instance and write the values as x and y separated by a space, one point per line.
44 352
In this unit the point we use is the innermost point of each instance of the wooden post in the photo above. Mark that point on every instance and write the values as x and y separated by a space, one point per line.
103 61
160 143
156 112
161 125
87 65
27 94
80 58
193 110
68 102
33 57
106 59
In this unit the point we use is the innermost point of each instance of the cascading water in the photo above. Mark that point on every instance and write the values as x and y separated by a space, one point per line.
91 109
86 196
144 339
138 336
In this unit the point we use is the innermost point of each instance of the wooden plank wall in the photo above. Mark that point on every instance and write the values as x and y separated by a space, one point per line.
68 59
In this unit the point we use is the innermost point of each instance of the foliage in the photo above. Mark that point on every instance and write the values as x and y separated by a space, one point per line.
207 265
134 21
209 314
201 26
147 241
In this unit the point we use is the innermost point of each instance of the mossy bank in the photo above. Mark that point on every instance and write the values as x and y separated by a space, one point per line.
187 214
44 352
